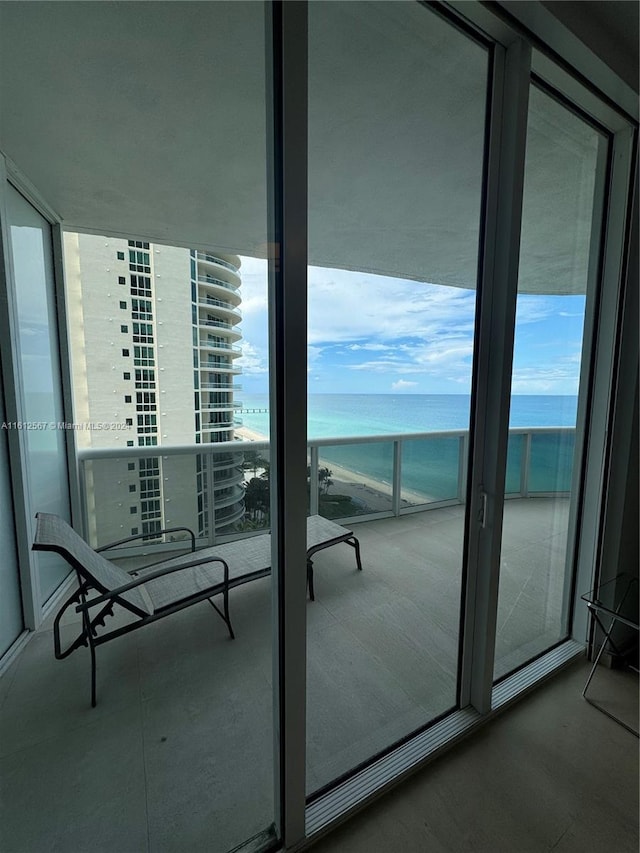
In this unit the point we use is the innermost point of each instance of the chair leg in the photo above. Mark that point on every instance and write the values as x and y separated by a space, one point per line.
227 617
224 614
312 595
90 632
93 675
355 544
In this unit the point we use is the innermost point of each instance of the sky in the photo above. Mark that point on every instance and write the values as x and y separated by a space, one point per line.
371 334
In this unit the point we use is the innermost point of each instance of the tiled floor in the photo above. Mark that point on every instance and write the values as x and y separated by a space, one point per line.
178 753
552 774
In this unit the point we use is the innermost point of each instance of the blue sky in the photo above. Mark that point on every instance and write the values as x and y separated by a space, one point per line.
371 334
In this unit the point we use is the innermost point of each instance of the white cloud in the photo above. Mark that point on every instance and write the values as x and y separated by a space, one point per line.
371 346
254 286
253 361
553 379
401 384
347 307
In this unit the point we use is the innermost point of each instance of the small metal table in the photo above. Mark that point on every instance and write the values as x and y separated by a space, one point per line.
607 602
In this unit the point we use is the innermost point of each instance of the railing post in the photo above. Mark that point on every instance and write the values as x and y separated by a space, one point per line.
211 511
525 464
314 482
396 480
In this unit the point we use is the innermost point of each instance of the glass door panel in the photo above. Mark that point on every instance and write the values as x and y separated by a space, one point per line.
560 228
48 482
396 127
11 623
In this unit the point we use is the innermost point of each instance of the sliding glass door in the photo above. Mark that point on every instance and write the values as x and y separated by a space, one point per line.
11 619
397 107
561 221
41 385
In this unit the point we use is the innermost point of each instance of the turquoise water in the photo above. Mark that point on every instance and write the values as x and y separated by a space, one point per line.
430 466
375 414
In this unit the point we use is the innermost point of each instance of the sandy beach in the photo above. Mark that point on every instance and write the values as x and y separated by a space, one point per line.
246 434
373 493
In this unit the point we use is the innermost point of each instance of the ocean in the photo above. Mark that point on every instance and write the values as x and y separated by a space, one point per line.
430 466
376 414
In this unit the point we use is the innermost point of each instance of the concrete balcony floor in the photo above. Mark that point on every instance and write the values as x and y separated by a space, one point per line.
178 753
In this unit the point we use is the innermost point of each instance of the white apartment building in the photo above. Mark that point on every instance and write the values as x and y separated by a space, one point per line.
154 332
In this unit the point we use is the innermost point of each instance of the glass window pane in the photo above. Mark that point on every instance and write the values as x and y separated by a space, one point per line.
11 622
563 164
396 129
41 390
157 359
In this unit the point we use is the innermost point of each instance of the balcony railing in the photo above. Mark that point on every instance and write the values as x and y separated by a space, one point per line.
209 279
220 366
205 256
212 302
220 386
219 345
356 478
221 324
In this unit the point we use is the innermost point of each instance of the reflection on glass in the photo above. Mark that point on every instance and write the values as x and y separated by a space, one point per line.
563 157
396 141
41 383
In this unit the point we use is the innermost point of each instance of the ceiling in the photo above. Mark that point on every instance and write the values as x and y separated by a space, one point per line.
148 119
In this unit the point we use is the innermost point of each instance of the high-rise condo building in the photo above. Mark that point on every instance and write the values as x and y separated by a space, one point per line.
154 341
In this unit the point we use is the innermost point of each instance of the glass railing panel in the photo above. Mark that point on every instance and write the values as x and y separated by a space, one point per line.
551 461
515 450
355 479
430 470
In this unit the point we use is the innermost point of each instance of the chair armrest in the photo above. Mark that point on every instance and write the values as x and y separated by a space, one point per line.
148 536
114 593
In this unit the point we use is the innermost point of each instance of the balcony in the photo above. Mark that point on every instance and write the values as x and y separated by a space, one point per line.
221 386
178 701
213 259
221 346
219 304
219 407
211 280
220 367
222 324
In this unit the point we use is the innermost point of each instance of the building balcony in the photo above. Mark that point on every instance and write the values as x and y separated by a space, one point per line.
219 407
228 495
219 305
233 331
206 258
228 477
213 282
219 367
212 425
220 386
218 345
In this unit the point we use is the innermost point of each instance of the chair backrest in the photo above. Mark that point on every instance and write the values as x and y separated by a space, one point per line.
54 534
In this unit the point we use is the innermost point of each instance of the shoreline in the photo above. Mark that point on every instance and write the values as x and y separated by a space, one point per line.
375 494
246 434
